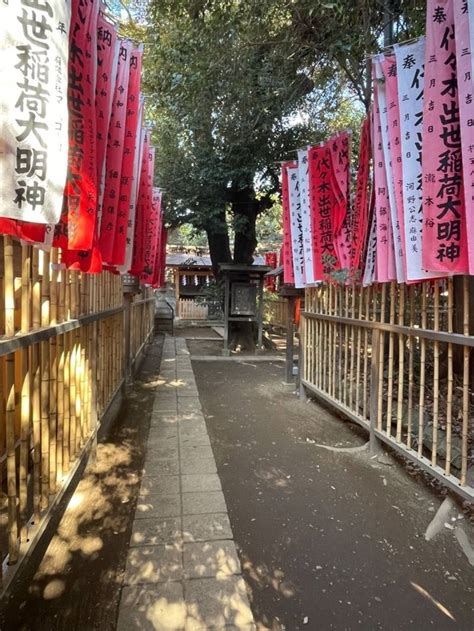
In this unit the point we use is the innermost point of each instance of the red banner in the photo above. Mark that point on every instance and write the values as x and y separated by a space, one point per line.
444 220
75 229
143 210
114 155
32 232
107 59
322 204
159 279
339 148
288 271
360 213
129 148
271 258
152 237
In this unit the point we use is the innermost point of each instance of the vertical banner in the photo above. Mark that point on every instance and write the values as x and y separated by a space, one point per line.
152 237
128 161
360 213
392 142
114 155
271 259
107 60
288 270
143 142
370 269
33 110
444 229
464 28
410 61
339 151
296 225
303 177
143 211
322 205
385 257
75 229
380 98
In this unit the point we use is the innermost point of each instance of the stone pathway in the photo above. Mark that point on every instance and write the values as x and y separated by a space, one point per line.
183 572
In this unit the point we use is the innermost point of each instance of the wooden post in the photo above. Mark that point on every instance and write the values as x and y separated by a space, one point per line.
374 390
290 332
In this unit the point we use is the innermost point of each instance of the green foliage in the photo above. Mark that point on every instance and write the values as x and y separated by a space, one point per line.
236 86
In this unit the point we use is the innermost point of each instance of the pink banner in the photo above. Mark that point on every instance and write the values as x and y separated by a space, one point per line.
288 272
389 69
130 146
114 156
339 148
464 59
322 204
444 220
75 229
385 257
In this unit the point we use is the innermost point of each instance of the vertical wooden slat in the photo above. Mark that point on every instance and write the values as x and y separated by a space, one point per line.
401 361
465 385
449 397
25 394
434 448
9 297
421 406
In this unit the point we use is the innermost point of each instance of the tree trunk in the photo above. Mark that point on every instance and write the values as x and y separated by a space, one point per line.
219 245
245 209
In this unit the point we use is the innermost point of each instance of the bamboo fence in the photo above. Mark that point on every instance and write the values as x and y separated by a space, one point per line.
396 359
61 364
275 312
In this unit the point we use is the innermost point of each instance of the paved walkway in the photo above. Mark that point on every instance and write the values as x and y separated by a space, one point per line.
182 570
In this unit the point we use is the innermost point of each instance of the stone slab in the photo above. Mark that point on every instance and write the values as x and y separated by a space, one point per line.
154 564
157 506
204 502
201 482
211 559
152 532
159 607
209 527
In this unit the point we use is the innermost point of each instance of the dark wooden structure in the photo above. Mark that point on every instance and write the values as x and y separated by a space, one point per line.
243 299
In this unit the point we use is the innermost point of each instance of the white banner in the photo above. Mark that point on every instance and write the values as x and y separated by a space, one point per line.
371 255
296 223
303 175
410 68
34 52
396 228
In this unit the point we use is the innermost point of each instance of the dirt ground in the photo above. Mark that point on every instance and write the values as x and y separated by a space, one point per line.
328 540
74 578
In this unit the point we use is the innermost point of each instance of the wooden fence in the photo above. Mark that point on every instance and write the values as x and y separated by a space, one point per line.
191 310
61 364
396 359
275 312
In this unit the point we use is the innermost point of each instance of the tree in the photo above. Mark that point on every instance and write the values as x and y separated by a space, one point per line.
227 106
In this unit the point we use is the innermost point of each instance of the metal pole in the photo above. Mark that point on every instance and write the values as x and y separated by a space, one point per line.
260 313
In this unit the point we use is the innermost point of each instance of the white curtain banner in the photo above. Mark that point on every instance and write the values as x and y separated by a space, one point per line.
410 71
303 175
34 48
296 223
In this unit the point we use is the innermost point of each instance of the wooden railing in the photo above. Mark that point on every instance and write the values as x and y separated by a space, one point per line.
388 358
275 312
61 365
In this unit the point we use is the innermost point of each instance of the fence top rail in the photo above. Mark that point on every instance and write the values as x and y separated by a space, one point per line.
429 334
142 302
22 340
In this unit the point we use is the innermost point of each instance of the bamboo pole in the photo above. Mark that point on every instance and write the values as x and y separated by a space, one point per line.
352 358
9 293
381 355
465 385
410 366
434 450
67 401
391 340
449 398
346 337
60 405
401 362
25 395
421 418
368 292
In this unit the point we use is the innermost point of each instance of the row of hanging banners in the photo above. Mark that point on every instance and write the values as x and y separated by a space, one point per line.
411 217
76 164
